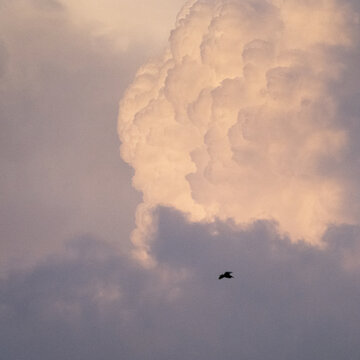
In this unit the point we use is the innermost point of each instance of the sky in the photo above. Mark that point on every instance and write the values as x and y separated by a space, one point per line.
148 146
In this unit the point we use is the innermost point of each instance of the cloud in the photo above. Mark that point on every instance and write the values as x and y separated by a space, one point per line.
49 5
59 94
126 22
238 118
286 301
3 58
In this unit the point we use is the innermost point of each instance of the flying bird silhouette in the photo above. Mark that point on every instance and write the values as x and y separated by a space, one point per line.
226 274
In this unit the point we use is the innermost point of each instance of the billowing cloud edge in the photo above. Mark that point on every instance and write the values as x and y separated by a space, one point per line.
237 120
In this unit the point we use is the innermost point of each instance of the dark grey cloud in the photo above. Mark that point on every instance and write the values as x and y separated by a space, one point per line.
286 300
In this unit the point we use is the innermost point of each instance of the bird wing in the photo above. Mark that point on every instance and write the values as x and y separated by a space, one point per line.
228 273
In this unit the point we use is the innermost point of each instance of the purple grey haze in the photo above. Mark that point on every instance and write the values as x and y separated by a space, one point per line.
241 138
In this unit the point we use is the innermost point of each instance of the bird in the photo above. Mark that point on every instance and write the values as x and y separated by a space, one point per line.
226 274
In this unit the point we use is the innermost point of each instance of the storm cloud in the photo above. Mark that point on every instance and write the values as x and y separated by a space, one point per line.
286 301
212 129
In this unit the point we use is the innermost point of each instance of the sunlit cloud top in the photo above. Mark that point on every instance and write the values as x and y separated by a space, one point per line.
236 120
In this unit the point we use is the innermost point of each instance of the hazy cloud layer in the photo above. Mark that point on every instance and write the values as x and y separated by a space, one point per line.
59 90
287 301
238 119
125 22
62 73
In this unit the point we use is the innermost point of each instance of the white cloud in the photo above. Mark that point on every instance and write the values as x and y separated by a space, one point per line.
236 120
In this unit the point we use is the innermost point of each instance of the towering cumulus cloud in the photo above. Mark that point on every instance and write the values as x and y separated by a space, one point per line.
236 120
